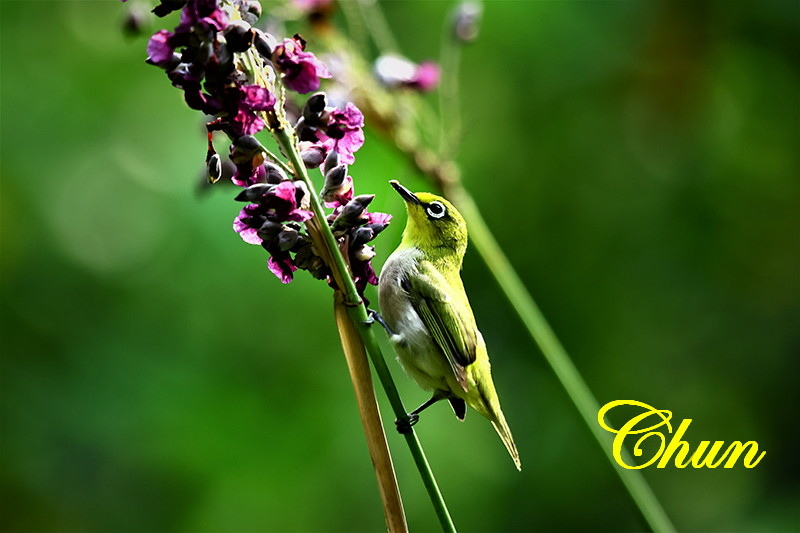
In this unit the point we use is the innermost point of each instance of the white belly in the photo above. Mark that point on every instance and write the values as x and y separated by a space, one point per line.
421 358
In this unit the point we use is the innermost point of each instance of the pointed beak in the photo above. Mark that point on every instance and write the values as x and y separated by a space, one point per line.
407 195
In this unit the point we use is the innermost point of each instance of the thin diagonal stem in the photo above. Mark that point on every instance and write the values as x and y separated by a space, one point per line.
449 93
554 353
361 321
377 26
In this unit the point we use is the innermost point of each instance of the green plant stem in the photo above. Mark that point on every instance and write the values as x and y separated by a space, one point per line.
378 27
449 94
361 319
359 316
554 353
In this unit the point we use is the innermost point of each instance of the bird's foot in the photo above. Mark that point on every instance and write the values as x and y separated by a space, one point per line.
370 317
404 424
375 316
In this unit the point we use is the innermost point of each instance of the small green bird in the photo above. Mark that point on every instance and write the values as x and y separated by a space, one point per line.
428 316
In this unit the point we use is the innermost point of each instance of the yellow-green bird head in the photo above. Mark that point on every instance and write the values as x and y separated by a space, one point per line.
434 225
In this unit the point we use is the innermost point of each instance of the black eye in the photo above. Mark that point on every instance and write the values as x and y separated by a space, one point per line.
436 210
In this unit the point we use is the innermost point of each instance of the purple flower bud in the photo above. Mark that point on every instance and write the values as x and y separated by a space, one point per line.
427 77
394 71
284 200
301 70
343 133
159 49
246 226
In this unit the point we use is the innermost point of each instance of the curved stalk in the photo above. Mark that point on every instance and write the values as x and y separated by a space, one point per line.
370 416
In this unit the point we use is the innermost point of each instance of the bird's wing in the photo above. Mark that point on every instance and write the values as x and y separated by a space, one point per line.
452 329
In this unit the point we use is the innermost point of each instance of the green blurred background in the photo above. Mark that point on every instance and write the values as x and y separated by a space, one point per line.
638 161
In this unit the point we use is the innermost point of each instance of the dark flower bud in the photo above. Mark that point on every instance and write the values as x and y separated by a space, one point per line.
364 199
306 132
264 43
335 177
269 230
313 109
214 168
250 11
376 228
244 149
168 6
274 174
254 193
466 21
351 213
334 181
287 238
239 36
360 236
330 162
312 157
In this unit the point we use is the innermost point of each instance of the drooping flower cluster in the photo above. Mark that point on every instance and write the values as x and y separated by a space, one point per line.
232 70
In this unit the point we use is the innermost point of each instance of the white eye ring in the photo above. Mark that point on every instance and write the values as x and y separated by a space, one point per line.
436 209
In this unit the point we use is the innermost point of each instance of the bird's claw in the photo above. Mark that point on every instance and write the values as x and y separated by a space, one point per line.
375 316
404 424
370 317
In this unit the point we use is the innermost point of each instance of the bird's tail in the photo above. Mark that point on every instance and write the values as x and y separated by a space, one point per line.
501 427
487 403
